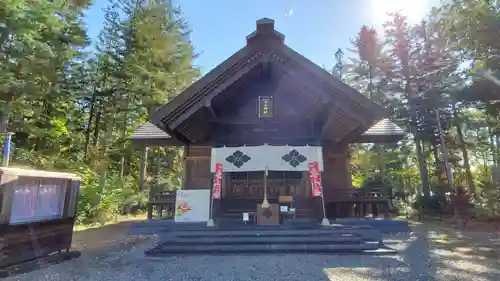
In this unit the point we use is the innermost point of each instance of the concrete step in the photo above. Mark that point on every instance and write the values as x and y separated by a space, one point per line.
366 234
269 239
173 249
256 240
267 234
386 226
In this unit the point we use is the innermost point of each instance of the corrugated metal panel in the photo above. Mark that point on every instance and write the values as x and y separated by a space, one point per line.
149 131
384 128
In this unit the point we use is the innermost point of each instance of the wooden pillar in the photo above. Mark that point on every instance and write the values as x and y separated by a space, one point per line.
153 187
184 167
369 210
157 179
143 168
158 164
385 210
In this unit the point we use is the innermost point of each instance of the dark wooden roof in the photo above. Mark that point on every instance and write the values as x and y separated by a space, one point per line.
352 112
383 131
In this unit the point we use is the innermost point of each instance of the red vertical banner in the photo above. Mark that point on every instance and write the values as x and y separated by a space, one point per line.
315 179
217 181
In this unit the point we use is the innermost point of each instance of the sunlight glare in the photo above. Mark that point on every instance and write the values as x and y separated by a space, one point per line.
414 10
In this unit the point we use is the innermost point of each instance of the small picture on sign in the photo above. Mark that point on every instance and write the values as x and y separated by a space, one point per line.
265 106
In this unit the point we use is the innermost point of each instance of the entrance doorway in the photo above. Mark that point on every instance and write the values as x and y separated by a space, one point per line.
242 191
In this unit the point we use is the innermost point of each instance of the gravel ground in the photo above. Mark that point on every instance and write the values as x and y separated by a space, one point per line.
419 259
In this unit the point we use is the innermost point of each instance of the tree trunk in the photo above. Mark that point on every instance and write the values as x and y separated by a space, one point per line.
110 125
465 155
422 164
123 135
438 166
97 124
4 119
492 145
89 124
497 150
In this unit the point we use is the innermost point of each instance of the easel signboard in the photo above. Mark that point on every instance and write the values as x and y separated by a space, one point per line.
192 205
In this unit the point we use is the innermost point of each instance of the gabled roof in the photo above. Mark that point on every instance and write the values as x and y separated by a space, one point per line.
266 46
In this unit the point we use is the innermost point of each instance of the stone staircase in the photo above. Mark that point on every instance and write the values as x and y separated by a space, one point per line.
271 239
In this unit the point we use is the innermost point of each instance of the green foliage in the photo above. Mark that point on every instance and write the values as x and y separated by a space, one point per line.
488 205
72 110
422 70
103 202
378 182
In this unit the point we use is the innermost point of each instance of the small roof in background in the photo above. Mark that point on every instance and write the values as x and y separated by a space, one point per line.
149 131
148 135
385 127
384 131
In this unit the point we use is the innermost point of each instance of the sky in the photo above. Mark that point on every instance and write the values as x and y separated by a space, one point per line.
316 29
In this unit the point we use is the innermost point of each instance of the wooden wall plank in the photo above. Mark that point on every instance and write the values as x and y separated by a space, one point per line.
336 174
198 174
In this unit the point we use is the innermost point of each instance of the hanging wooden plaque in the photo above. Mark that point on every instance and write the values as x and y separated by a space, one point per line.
265 106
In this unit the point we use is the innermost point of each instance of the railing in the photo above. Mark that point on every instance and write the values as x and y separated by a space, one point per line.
163 203
357 195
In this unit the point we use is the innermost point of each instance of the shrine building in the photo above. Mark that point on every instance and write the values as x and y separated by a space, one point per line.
264 116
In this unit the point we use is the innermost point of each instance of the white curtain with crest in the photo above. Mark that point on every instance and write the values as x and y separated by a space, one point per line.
266 157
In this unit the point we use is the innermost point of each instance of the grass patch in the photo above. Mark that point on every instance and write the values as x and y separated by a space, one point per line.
117 219
441 239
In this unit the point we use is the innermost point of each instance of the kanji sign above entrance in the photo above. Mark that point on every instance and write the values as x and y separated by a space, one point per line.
265 107
266 157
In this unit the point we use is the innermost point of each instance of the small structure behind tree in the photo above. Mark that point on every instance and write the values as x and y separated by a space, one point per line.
148 138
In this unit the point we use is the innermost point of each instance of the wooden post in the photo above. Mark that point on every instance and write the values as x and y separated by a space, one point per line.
154 185
143 168
158 164
210 222
184 167
369 209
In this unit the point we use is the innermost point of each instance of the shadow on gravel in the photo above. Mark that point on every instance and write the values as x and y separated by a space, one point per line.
417 262
417 256
365 268
106 238
90 243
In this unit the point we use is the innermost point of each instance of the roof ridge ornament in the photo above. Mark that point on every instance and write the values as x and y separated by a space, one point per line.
265 28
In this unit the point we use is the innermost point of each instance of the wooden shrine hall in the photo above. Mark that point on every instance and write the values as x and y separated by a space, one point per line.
263 117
